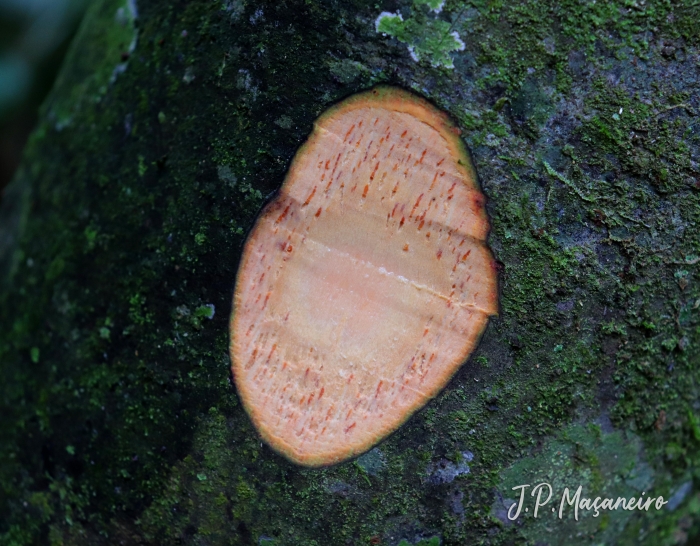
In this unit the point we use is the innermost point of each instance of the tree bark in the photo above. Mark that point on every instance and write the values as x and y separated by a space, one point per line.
170 125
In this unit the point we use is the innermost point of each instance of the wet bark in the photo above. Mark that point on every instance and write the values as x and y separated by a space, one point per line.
170 125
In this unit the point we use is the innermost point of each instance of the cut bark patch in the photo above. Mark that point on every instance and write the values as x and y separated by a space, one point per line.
365 284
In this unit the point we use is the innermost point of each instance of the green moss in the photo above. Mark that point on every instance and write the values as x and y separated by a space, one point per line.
433 541
603 464
346 70
110 29
119 420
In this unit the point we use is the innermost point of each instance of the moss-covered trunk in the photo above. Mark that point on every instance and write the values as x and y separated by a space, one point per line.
171 123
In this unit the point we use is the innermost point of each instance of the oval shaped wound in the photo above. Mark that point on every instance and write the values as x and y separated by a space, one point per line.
365 284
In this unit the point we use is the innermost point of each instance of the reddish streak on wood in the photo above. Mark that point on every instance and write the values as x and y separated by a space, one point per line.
434 181
416 205
283 215
274 346
348 133
310 197
367 150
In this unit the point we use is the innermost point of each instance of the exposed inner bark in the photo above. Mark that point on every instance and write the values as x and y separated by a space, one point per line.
365 284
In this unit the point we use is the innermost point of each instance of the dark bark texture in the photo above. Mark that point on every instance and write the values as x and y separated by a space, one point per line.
172 122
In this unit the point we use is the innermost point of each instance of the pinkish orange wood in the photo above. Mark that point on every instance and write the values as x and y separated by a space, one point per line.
365 284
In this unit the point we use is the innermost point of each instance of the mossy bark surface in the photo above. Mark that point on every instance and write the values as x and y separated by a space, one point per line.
171 124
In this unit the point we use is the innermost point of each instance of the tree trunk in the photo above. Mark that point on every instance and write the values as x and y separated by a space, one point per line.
173 121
